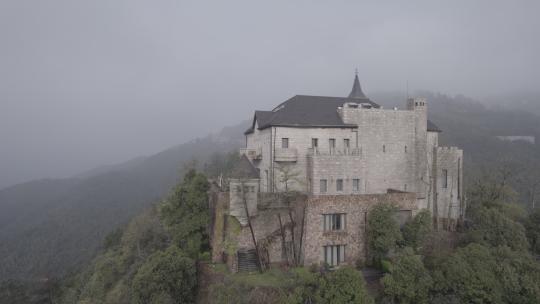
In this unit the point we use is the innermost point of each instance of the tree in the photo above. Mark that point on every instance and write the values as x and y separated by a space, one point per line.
519 274
382 232
493 228
288 174
468 277
408 281
532 228
165 276
345 285
186 214
417 229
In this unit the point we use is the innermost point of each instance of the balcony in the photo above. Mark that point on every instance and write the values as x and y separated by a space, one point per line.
345 152
286 155
252 154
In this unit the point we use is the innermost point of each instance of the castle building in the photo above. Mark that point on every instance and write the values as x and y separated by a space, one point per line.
345 154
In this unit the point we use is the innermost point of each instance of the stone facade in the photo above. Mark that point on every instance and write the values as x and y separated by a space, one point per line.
382 149
341 157
353 236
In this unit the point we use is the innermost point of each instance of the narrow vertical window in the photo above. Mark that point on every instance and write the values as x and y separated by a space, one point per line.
459 178
356 185
384 148
339 185
334 254
314 142
323 186
346 143
445 178
405 149
332 145
285 143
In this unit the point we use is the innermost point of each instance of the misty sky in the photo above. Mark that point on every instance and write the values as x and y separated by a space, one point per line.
86 83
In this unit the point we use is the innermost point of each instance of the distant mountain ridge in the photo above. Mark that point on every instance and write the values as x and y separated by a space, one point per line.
52 226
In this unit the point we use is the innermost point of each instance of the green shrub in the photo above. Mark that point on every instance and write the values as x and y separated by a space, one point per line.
408 281
169 274
382 232
417 229
493 228
345 285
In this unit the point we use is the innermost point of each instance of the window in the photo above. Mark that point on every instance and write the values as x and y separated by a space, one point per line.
334 254
405 149
405 187
314 142
347 143
334 222
384 148
285 143
356 185
332 143
445 178
323 186
339 184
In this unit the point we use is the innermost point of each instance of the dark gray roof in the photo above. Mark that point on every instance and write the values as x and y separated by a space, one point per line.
356 91
432 127
303 111
307 111
244 169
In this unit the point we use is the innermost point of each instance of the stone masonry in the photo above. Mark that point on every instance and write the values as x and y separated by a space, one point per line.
341 156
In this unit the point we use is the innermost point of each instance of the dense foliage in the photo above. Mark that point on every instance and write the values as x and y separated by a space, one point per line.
383 232
185 214
343 286
408 281
532 226
165 276
152 260
416 231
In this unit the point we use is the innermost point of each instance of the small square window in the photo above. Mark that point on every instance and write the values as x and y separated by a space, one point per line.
285 143
339 185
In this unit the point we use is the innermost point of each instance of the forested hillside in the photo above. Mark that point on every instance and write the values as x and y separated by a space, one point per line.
51 227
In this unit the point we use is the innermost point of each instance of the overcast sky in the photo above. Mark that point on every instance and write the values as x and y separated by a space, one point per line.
86 83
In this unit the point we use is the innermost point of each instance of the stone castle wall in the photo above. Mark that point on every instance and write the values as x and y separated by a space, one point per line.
356 208
448 185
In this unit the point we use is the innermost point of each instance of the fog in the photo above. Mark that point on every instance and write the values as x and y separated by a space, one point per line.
87 83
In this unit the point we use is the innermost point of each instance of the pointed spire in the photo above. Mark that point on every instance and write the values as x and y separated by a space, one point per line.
356 89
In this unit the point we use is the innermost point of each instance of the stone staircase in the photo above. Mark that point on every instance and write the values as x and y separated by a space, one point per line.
247 260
